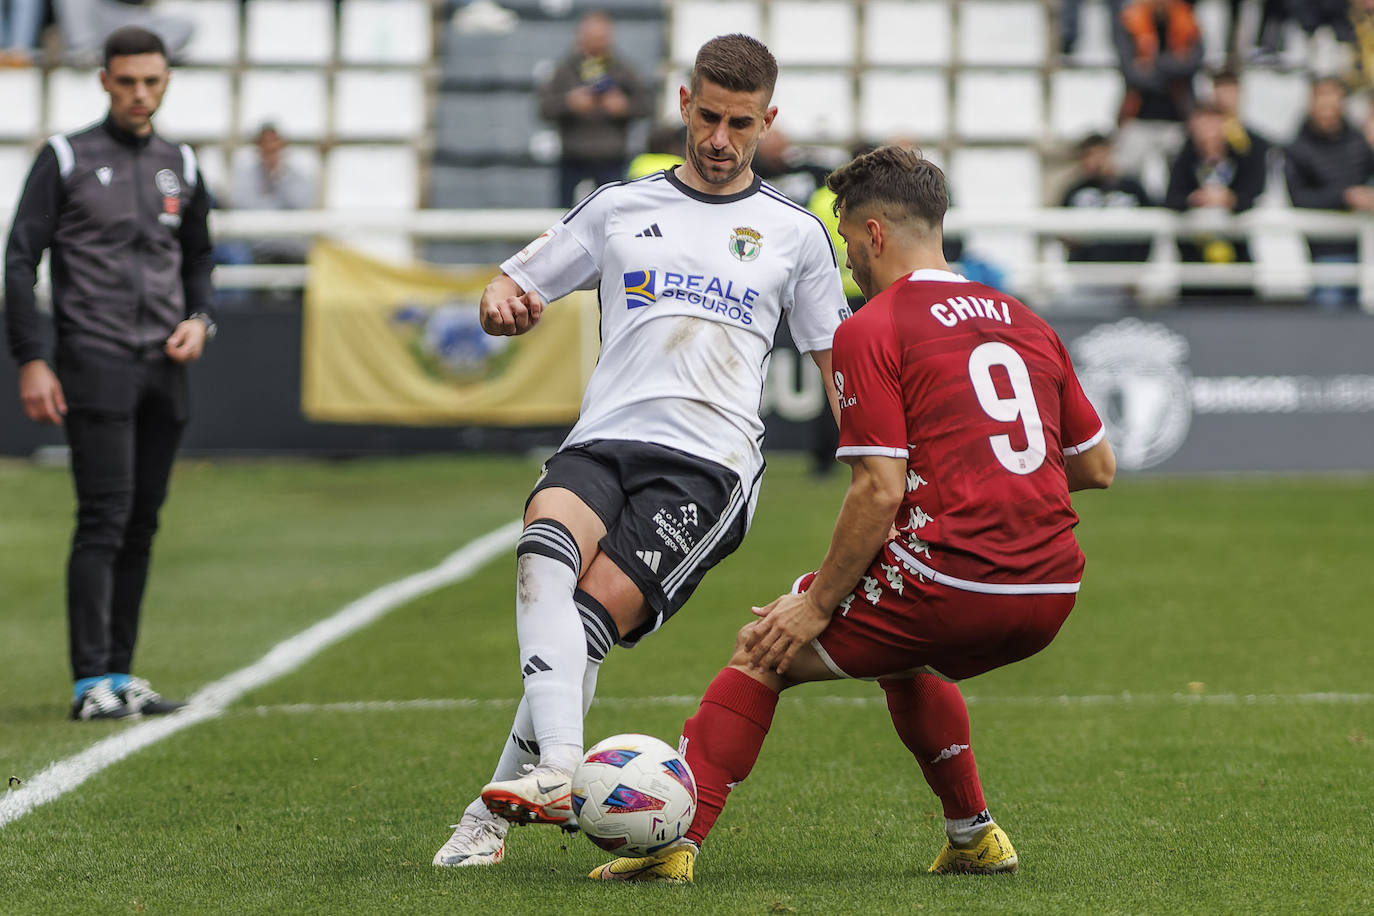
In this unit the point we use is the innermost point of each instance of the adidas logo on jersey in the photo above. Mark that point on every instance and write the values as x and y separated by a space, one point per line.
650 558
653 232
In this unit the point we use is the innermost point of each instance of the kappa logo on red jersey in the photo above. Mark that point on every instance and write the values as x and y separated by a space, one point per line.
954 750
839 388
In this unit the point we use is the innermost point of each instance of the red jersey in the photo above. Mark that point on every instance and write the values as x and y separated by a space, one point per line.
979 395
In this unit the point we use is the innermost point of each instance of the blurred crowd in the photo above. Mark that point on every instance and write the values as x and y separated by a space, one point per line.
79 29
1180 139
1339 32
1212 160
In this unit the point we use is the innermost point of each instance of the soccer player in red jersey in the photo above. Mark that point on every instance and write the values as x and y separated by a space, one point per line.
965 429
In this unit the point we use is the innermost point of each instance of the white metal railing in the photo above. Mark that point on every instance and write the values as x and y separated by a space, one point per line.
1045 275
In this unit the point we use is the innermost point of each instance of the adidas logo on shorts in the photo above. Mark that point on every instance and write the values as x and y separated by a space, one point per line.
650 558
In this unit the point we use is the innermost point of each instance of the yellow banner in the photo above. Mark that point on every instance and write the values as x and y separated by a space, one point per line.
401 344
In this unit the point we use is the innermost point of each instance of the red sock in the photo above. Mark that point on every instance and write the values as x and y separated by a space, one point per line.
932 721
723 741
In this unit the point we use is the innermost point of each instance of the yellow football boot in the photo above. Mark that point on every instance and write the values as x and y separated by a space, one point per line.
990 853
668 866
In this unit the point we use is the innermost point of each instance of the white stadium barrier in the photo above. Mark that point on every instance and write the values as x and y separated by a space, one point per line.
1041 277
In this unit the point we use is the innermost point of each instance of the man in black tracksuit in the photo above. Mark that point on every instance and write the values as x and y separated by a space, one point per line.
123 213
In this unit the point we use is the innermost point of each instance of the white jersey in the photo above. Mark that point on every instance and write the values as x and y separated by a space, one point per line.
692 288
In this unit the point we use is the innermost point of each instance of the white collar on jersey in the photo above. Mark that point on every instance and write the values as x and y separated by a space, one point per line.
940 276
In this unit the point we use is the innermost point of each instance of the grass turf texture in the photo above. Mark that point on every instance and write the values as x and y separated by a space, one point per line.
1195 588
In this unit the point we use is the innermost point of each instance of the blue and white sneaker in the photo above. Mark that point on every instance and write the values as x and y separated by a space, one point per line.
140 697
99 701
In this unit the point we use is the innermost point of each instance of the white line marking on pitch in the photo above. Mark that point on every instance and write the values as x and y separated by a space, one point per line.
211 701
1111 699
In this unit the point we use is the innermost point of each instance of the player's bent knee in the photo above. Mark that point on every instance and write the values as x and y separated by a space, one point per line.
740 656
597 624
621 598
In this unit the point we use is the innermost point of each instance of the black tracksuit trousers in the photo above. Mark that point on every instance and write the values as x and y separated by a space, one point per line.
124 422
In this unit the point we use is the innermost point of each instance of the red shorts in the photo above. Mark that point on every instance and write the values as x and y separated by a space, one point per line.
953 632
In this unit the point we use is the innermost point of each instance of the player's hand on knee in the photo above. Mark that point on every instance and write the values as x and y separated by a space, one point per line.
512 315
784 627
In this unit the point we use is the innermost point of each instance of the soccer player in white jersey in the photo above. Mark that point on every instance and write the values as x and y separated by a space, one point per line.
656 483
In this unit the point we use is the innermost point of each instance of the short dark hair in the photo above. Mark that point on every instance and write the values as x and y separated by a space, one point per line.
736 62
1226 75
1093 141
900 181
132 40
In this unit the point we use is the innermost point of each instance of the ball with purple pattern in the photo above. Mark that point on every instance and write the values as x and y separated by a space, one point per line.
633 794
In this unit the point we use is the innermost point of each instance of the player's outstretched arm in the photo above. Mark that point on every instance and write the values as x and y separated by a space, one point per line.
1091 470
507 310
792 621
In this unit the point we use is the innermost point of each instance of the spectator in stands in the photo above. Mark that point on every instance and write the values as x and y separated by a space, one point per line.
1210 175
20 21
1098 185
268 180
665 147
592 96
1239 136
1068 22
1269 38
1315 14
1160 51
1329 166
85 23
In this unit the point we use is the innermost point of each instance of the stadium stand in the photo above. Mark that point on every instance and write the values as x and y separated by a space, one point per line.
398 106
393 32
23 92
289 31
215 39
888 27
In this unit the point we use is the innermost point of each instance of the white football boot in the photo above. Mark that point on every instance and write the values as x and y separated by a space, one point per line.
478 839
542 796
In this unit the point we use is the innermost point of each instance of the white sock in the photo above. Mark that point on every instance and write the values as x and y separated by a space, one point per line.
601 633
589 684
962 831
478 809
553 653
520 748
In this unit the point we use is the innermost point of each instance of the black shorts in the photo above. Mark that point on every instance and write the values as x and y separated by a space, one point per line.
669 516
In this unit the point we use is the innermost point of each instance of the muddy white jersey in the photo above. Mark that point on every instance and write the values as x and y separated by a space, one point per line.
692 288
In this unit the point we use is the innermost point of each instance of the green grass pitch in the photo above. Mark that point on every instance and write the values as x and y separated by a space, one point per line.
1197 740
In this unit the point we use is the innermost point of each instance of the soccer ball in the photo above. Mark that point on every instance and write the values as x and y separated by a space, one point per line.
633 795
